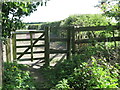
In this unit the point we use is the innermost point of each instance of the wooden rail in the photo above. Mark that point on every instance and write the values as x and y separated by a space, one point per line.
37 52
29 59
96 28
29 39
109 39
30 46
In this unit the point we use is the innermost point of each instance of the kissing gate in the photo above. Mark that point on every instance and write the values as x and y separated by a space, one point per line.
26 43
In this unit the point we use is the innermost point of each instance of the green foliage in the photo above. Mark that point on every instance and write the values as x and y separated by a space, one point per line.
97 74
35 27
111 8
63 85
88 75
15 78
90 69
82 20
12 12
87 20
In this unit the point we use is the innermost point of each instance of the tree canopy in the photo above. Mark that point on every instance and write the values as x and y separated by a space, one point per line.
111 8
84 20
81 20
12 12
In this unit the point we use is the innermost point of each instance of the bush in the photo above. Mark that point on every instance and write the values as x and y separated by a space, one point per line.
94 74
85 20
15 78
63 84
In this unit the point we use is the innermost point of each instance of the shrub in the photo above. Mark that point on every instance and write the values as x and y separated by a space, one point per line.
95 74
15 78
63 84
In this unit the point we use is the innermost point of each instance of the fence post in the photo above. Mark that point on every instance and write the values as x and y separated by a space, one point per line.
47 42
8 50
73 41
14 45
68 43
31 41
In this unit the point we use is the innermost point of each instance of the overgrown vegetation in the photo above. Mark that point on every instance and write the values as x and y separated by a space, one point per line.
97 74
88 70
96 65
15 78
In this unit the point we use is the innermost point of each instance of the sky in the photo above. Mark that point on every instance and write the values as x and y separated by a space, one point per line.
57 10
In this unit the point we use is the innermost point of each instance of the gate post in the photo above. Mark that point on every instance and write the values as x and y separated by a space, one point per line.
68 43
14 45
8 50
73 41
47 43
31 41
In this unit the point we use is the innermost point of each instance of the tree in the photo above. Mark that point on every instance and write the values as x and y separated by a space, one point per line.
10 20
12 13
1 59
85 20
111 8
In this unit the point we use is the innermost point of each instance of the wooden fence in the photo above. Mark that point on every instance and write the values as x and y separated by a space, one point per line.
70 35
76 37
77 40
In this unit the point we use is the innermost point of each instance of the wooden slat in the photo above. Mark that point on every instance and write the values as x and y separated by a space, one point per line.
96 28
109 39
57 51
27 32
36 52
29 59
30 45
29 39
57 39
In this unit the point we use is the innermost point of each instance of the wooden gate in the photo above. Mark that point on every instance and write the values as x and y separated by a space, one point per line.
21 36
29 43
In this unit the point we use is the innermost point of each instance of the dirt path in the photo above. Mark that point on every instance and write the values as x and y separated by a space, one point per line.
38 77
35 72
